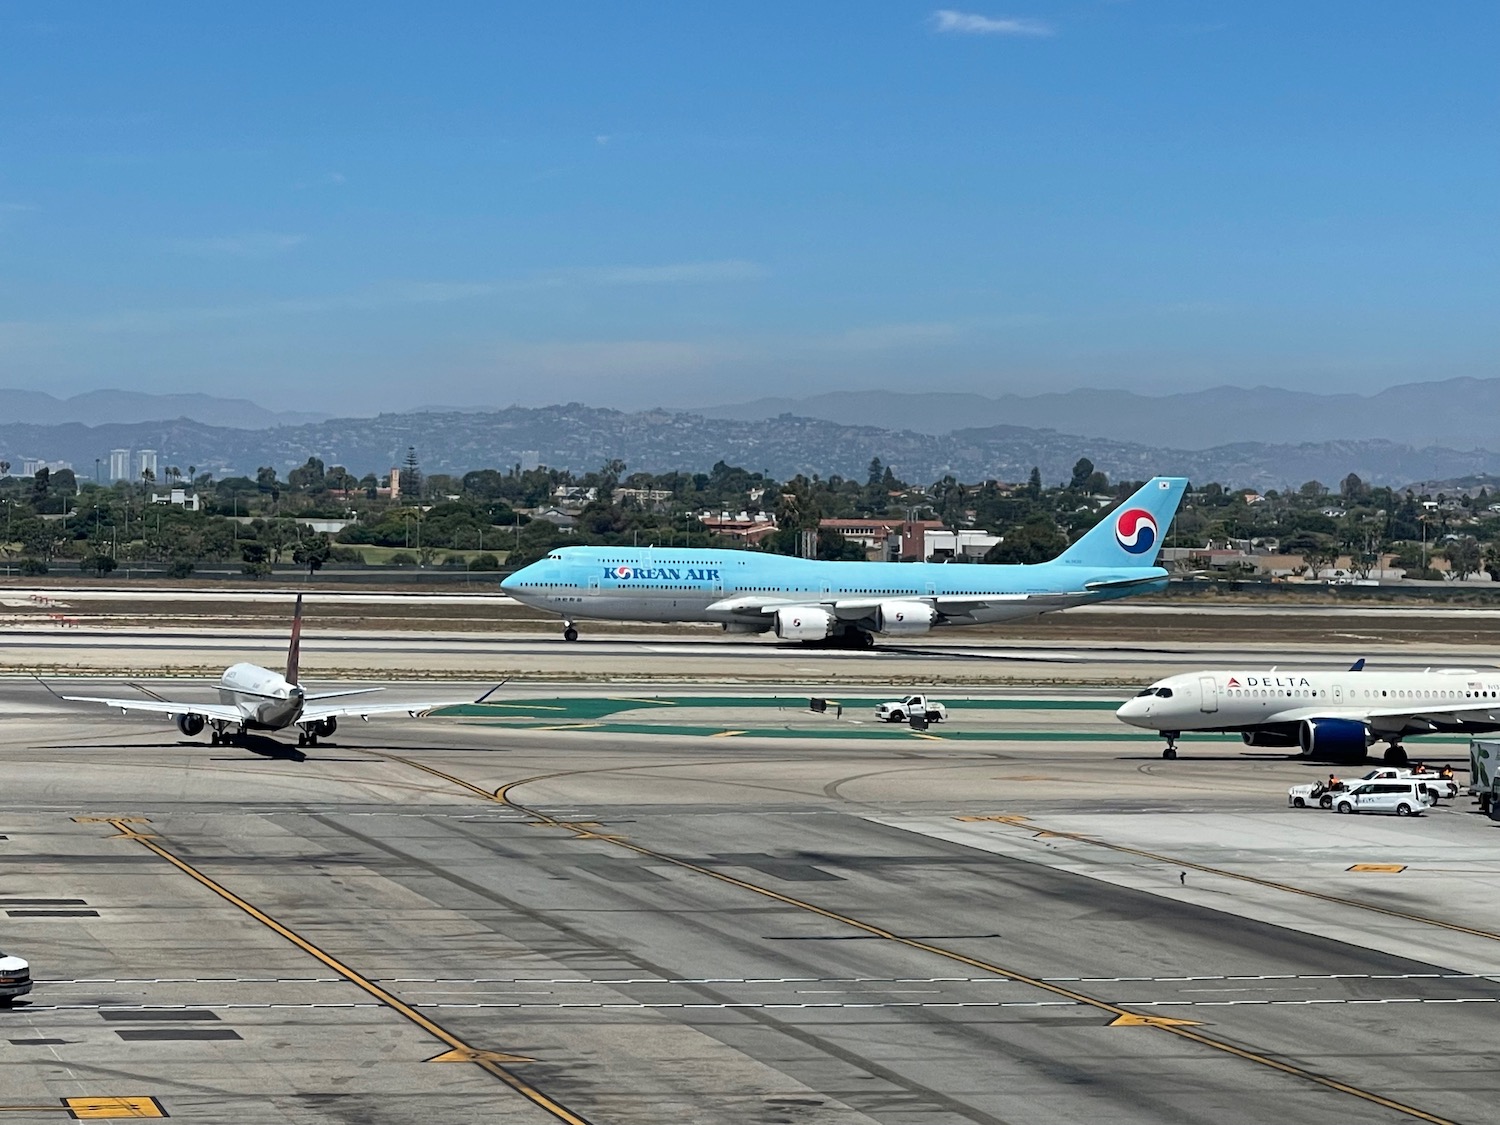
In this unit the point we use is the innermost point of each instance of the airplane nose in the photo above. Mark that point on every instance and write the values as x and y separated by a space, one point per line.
1135 712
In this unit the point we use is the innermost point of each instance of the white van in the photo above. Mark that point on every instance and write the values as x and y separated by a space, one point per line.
1401 796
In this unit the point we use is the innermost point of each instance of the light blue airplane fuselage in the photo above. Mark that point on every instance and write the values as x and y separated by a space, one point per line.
803 599
679 584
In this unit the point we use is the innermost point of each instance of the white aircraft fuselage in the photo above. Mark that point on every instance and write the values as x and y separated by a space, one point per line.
264 699
1334 715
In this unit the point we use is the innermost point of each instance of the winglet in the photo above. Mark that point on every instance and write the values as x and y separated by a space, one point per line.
1358 665
294 650
493 690
46 685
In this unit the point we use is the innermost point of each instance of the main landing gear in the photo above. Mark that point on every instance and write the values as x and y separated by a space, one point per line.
307 738
569 633
220 736
1395 754
1170 753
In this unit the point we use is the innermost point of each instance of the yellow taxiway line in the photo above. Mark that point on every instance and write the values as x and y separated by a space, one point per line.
492 1062
1122 1017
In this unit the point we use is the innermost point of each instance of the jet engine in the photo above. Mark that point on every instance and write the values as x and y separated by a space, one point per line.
804 623
1334 740
325 727
1273 736
190 724
904 619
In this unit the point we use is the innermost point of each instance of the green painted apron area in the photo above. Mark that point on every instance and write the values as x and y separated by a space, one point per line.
572 709
602 715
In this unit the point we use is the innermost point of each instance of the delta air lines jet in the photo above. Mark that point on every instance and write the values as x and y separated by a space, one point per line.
256 698
847 603
1332 716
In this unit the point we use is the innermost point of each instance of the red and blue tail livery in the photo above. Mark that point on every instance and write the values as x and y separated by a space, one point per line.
1135 530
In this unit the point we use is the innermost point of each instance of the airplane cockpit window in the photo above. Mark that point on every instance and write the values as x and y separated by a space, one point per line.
1145 691
1164 693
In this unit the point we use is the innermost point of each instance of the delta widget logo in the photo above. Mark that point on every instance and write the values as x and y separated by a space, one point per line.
1135 531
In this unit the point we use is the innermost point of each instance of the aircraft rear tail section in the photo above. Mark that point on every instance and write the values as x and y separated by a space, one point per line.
294 650
1132 534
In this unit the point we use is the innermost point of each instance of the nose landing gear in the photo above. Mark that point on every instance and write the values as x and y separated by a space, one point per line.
569 633
1170 753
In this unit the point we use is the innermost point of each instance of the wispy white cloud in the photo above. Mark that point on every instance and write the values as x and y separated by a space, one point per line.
671 273
255 245
948 21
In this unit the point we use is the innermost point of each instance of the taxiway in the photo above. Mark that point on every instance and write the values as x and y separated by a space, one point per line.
801 921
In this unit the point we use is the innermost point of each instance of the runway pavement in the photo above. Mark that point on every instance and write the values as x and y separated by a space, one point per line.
952 660
476 919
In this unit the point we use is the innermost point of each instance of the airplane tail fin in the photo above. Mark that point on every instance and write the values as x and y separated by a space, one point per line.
294 650
1132 534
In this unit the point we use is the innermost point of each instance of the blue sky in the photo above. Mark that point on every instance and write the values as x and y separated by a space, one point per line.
354 207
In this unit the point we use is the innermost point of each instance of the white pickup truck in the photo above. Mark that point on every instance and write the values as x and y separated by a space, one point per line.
900 710
15 978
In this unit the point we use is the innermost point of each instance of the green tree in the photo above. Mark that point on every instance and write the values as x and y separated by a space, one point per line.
1464 557
313 552
100 564
1083 470
257 559
1037 540
309 478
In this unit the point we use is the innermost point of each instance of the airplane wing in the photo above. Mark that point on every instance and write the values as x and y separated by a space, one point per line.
1389 717
853 609
341 694
416 710
164 707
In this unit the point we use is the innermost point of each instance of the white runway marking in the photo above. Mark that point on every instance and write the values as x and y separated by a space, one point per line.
730 1005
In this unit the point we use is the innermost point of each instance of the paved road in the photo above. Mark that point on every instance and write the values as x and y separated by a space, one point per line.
726 930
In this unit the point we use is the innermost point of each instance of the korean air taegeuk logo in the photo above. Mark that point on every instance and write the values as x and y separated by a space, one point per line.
1135 530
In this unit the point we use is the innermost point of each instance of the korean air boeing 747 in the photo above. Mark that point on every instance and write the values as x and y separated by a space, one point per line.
847 603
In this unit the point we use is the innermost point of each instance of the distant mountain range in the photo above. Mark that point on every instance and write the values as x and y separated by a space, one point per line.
99 408
582 438
1456 413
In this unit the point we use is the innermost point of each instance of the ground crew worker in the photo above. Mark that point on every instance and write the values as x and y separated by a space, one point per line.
1446 773
1334 782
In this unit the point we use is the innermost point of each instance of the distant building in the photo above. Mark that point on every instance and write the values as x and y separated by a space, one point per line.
880 538
645 497
119 464
746 527
179 497
965 543
557 518
914 541
146 463
30 466
395 489
530 459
